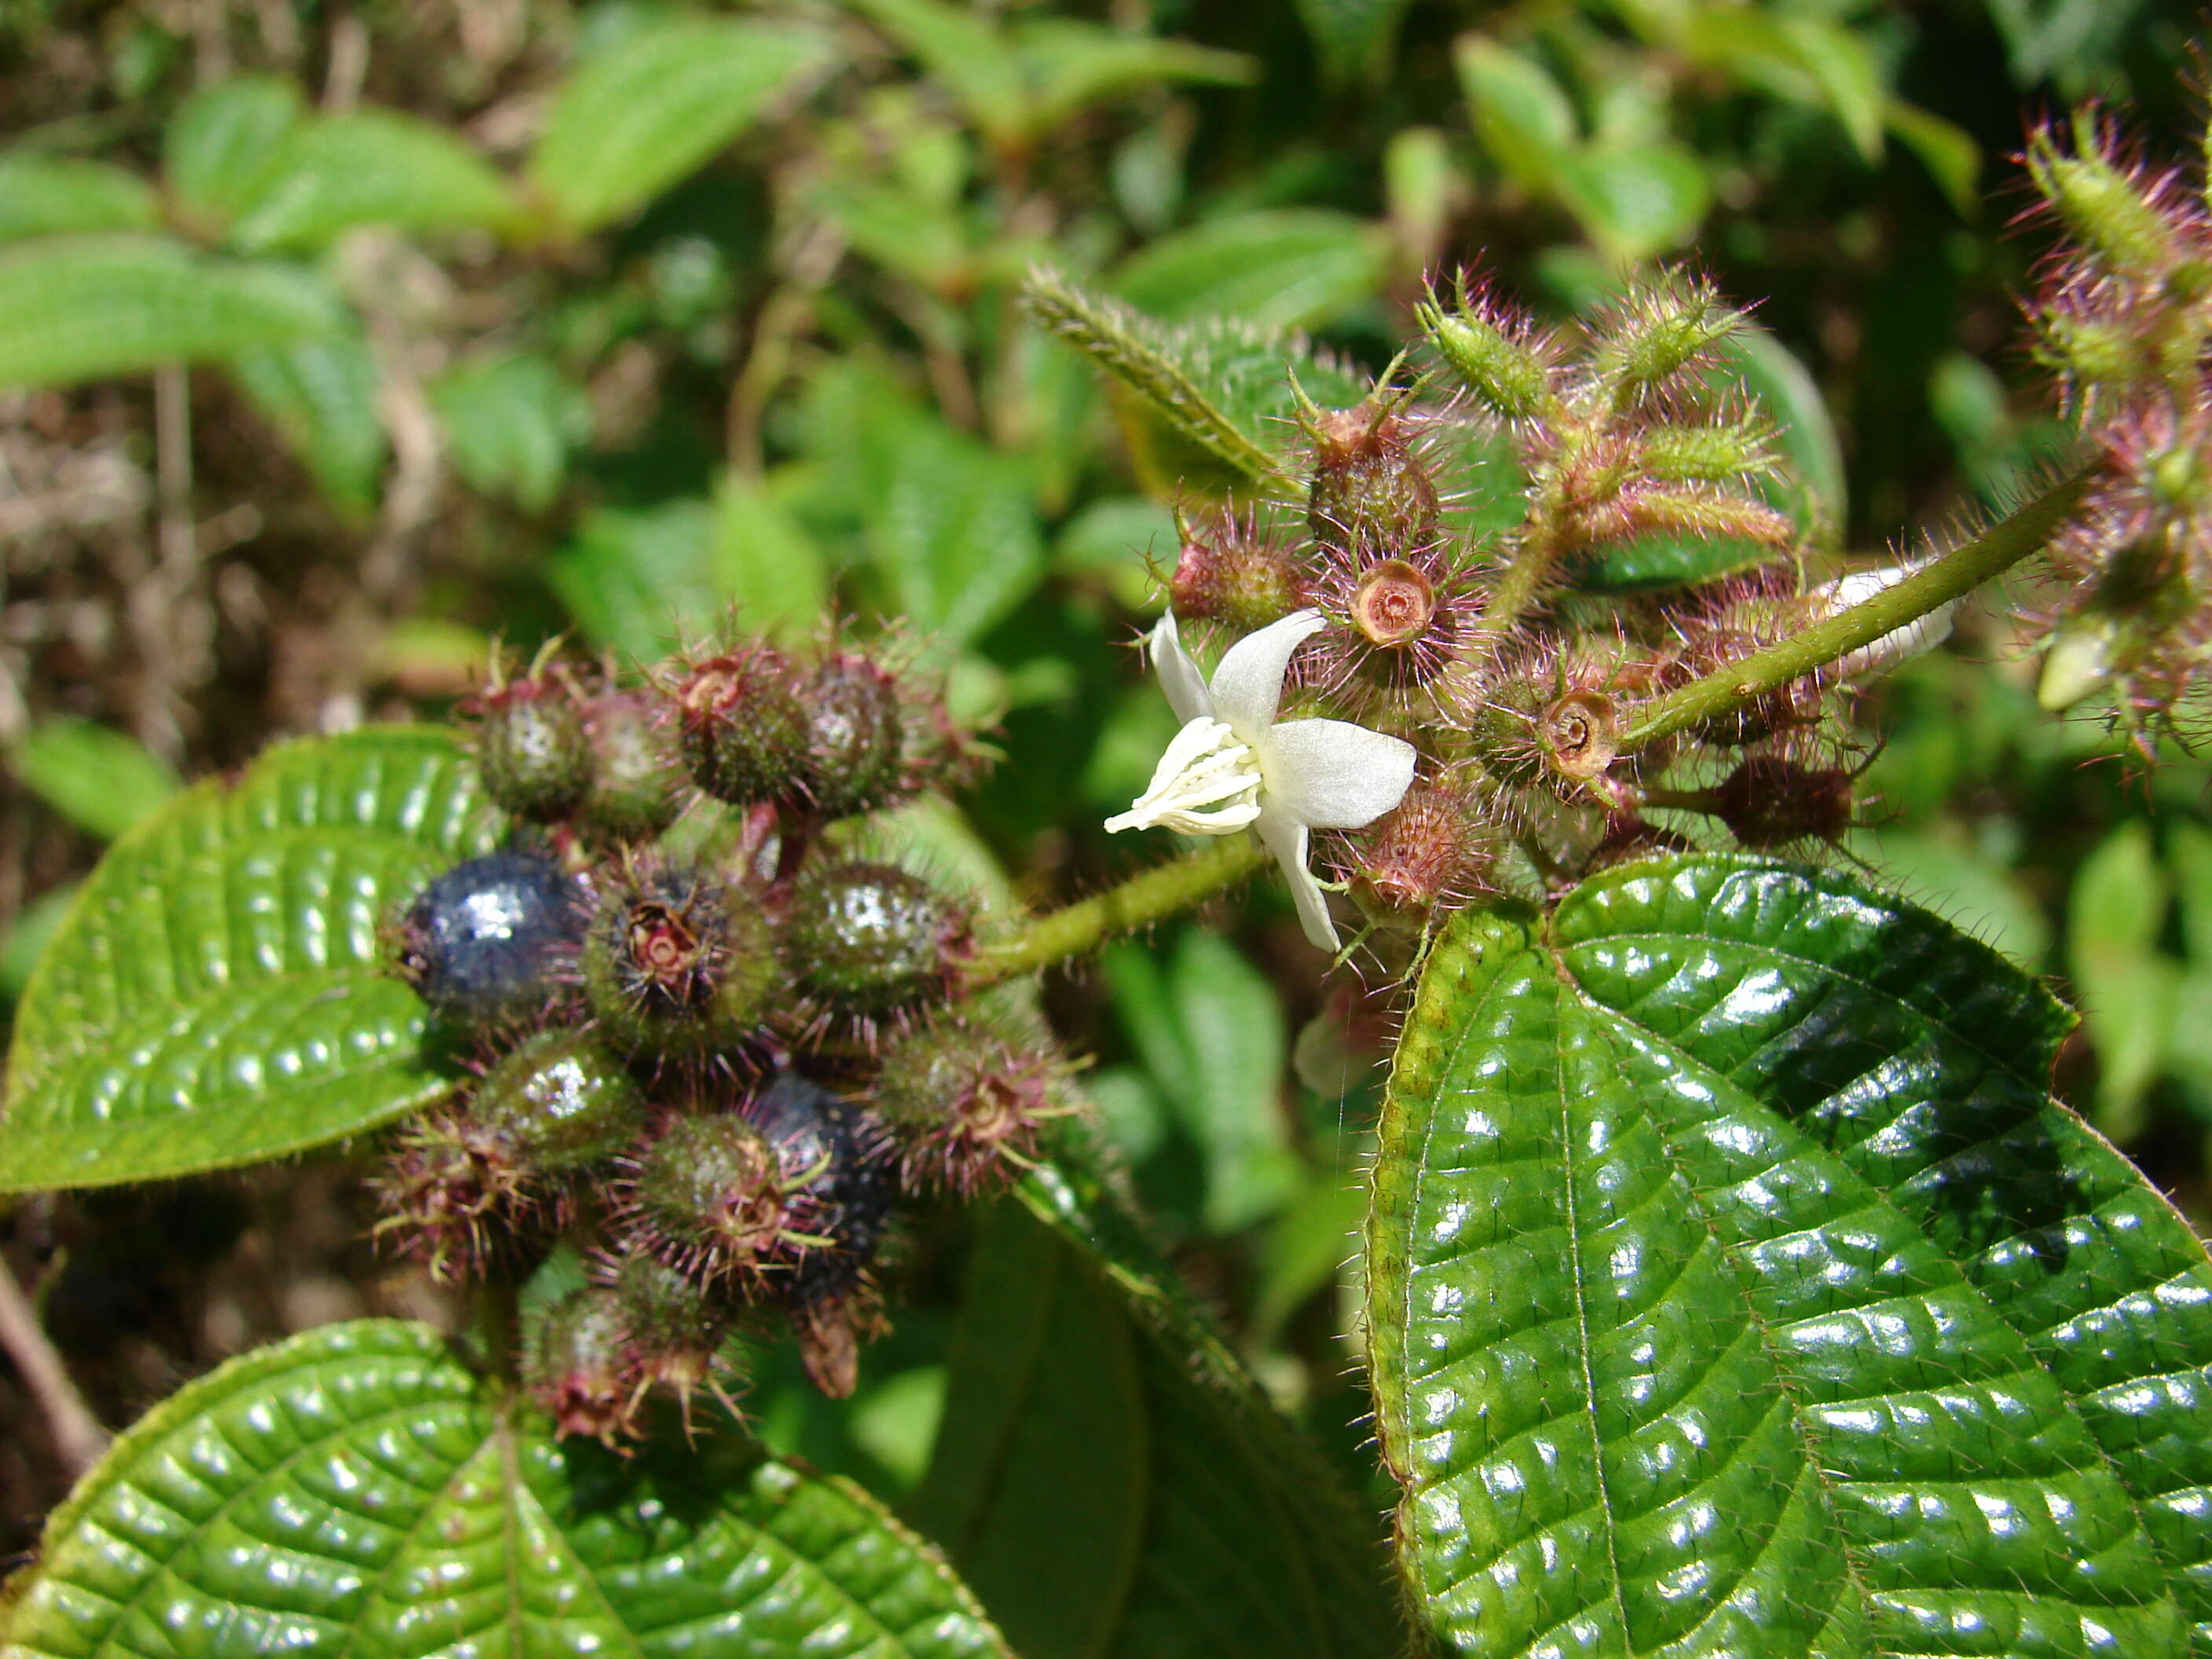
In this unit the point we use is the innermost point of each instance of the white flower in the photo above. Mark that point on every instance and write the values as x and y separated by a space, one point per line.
1234 766
1922 634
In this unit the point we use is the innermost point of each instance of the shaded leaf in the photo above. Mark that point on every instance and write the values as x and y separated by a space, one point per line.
357 1490
510 421
1282 269
76 308
369 167
642 114
58 195
1636 200
1353 37
1521 116
219 993
1735 1285
1948 151
225 141
1071 64
1112 1484
322 395
637 580
101 779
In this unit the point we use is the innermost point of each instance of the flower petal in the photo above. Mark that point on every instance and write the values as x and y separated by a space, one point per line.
1249 685
1286 839
1179 675
1332 774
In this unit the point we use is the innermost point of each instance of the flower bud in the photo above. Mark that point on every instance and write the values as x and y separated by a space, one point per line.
530 747
1772 801
2107 209
743 725
636 774
1229 572
1496 356
868 937
854 760
963 1104
1432 851
1659 330
1370 490
575 1365
492 939
676 962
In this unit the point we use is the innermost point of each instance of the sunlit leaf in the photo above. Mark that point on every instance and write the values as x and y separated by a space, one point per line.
59 195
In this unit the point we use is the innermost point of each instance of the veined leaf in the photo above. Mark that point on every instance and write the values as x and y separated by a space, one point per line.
219 995
510 421
640 116
1111 1482
357 1491
370 168
321 396
63 194
77 307
226 140
1735 1286
1289 268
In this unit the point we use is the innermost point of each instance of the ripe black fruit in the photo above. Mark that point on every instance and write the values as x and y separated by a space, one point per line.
492 939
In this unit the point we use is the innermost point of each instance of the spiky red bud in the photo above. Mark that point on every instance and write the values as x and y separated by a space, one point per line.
677 962
962 1104
743 725
1229 572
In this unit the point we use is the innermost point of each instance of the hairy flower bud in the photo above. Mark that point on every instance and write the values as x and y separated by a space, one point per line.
677 962
636 776
1771 802
1433 851
743 724
1371 491
1228 571
1497 355
962 1104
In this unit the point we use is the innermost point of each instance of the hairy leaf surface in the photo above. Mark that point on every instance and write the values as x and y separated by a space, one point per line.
218 993
1736 1287
358 1491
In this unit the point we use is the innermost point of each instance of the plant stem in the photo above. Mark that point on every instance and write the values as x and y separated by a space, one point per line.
1996 549
1157 894
78 1438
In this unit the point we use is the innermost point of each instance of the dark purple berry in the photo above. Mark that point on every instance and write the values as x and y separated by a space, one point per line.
493 938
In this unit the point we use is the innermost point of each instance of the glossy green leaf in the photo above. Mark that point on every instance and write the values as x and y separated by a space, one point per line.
75 309
322 395
1353 37
635 118
510 422
357 1491
370 168
1287 268
225 141
60 195
101 779
219 995
1736 1287
1113 1485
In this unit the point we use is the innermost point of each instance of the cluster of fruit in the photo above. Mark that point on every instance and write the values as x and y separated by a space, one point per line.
714 1073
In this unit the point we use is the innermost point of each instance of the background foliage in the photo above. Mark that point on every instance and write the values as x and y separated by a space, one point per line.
348 339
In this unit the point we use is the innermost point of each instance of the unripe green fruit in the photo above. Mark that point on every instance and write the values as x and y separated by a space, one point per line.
712 1197
532 750
635 770
1370 490
744 726
870 937
559 1101
959 1099
665 1311
576 1364
855 737
677 963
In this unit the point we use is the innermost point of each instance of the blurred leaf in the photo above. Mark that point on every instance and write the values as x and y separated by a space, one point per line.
1125 541
55 195
225 140
1664 558
1637 200
510 422
2114 916
1081 1410
924 241
642 114
101 780
369 167
80 308
220 993
1285 268
1353 37
765 564
1210 1029
639 580
966 55
1071 64
1789 398
2189 846
1949 152
953 531
2079 41
398 1502
1521 116
1967 888
1804 58
322 395
1757 1162
1307 1244
34 929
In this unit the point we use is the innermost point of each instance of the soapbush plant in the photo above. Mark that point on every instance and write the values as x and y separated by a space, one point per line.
1730 1279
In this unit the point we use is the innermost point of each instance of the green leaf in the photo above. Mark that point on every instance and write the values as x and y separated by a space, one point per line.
1949 152
954 533
1353 37
510 421
370 168
77 308
638 579
322 395
225 141
641 115
101 780
1071 65
358 1491
2115 914
1636 200
967 55
766 565
1736 1286
1521 116
1807 59
1112 1484
219 993
56 195
1209 1027
1289 268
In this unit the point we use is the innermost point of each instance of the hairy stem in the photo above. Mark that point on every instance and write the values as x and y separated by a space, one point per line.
1995 550
1158 893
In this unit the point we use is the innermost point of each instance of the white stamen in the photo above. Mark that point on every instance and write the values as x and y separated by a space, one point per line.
1207 784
